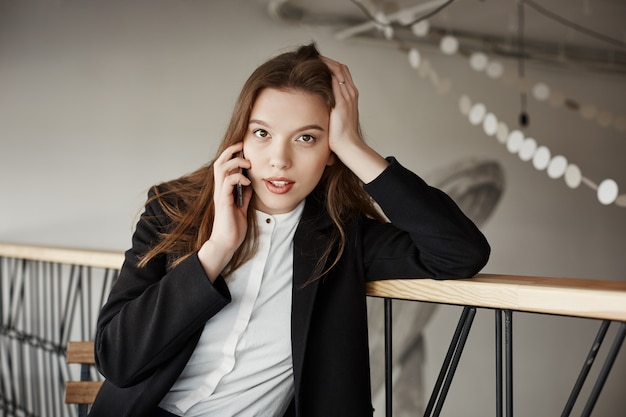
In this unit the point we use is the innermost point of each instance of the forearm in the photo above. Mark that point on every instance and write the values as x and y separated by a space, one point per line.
364 161
214 258
448 243
153 309
138 331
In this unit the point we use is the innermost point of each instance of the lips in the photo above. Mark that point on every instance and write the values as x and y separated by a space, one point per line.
278 185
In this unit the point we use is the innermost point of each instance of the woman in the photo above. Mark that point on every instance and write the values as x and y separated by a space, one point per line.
254 305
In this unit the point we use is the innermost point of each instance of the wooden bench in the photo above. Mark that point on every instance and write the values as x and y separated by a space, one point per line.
81 392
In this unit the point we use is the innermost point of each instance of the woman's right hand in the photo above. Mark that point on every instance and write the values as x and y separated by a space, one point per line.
230 222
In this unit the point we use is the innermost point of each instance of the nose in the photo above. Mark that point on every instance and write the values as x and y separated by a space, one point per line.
280 155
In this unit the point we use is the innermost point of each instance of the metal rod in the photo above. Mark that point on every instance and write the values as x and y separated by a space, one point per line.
604 373
388 359
446 363
455 361
363 27
498 363
508 323
584 372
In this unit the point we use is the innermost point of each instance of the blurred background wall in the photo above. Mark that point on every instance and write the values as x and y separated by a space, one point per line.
99 100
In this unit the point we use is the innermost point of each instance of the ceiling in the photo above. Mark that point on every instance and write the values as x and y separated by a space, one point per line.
581 33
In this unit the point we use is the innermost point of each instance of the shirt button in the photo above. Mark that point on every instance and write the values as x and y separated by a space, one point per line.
268 220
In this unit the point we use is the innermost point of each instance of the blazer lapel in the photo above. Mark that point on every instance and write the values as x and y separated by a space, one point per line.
310 241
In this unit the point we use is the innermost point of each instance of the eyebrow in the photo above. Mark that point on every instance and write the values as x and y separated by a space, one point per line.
300 129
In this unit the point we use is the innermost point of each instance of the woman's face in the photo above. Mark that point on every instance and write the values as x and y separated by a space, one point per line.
287 145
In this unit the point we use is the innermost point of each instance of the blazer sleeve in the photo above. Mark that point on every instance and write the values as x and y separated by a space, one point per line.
428 237
152 312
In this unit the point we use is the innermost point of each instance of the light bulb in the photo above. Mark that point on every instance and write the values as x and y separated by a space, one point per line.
421 28
557 167
414 58
449 45
541 91
495 70
478 61
607 191
541 159
557 99
588 111
477 113
502 133
573 176
527 151
605 118
490 124
465 104
514 141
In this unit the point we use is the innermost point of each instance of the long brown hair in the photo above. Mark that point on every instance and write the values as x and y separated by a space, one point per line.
188 201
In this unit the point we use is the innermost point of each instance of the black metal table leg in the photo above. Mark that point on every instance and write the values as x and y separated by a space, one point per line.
508 329
606 369
450 362
388 360
498 363
586 368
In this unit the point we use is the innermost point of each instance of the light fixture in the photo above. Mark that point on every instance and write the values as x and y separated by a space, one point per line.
541 91
414 58
490 124
502 133
573 176
607 191
465 104
527 151
478 61
449 45
557 167
421 28
477 113
494 69
541 160
514 141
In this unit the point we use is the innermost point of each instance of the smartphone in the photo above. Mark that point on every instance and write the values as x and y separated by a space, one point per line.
239 187
239 196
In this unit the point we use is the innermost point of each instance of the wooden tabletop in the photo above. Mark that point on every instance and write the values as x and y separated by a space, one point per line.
601 299
87 257
593 298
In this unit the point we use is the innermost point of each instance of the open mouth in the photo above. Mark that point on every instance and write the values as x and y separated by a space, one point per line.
279 186
280 183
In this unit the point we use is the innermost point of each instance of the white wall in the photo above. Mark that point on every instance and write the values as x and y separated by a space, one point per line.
99 100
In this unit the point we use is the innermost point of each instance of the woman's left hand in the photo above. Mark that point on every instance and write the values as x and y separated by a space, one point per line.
344 118
344 135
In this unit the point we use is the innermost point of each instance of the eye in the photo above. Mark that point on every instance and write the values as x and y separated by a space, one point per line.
306 138
260 133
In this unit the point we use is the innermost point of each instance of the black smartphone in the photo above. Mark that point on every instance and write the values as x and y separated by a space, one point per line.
239 187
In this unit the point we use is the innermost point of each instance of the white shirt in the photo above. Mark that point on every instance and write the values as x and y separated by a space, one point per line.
242 365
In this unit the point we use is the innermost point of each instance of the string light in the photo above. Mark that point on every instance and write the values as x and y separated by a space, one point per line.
421 28
526 148
542 92
449 45
607 191
414 58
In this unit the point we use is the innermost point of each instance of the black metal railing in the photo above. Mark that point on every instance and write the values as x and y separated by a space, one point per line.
45 301
49 296
583 298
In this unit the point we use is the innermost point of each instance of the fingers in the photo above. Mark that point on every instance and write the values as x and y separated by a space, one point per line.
227 170
342 78
231 161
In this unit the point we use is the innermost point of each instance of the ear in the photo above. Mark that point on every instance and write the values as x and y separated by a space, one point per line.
331 159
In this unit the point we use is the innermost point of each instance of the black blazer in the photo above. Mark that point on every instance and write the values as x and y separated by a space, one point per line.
153 318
